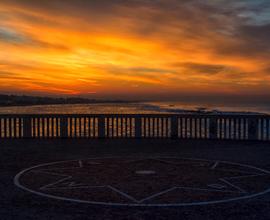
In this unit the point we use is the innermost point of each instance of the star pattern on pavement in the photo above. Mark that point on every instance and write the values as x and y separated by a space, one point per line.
141 180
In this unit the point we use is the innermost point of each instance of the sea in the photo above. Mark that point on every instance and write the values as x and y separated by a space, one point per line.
137 108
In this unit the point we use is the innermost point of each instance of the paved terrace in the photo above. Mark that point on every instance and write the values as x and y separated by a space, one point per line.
19 154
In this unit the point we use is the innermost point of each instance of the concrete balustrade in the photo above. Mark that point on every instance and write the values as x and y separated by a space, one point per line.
175 126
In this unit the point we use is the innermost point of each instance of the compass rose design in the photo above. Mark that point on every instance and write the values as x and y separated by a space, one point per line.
145 181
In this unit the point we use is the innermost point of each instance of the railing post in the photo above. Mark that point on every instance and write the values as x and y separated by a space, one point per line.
174 127
138 127
213 129
27 129
101 127
253 131
63 127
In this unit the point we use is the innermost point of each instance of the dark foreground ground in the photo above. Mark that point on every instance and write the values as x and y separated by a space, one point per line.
17 155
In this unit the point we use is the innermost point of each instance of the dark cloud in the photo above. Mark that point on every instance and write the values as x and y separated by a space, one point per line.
258 35
143 70
248 41
11 36
267 70
200 68
151 15
173 8
46 45
237 22
13 76
136 71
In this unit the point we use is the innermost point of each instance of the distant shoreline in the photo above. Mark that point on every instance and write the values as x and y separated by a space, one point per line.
77 103
18 101
14 101
154 109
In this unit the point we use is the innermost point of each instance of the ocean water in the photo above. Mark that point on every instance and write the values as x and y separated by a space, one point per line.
132 108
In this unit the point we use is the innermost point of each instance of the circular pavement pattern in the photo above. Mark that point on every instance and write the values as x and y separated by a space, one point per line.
145 181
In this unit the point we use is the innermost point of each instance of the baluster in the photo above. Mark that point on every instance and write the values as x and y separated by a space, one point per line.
242 128
230 128
245 128
47 127
220 128
128 127
51 127
27 128
37 128
117 127
111 127
195 128
122 127
150 127
84 127
13 124
268 129
56 134
9 128
120 120
235 129
75 127
204 128
138 127
101 127
213 128
33 127
80 127
200 136
155 127
144 127
263 128
180 126
1 130
88 127
224 132
17 125
125 126
44 128
95 124
238 129
63 127
185 127
19 128
160 120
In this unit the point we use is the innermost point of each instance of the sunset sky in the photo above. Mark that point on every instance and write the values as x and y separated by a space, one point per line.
135 48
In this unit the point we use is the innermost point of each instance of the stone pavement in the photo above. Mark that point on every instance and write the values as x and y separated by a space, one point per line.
17 155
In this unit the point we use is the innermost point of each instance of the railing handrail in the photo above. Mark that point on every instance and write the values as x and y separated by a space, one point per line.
194 115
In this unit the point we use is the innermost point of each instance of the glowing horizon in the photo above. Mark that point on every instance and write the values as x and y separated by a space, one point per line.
135 47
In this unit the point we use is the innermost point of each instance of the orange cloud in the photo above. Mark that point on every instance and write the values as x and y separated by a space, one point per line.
136 47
